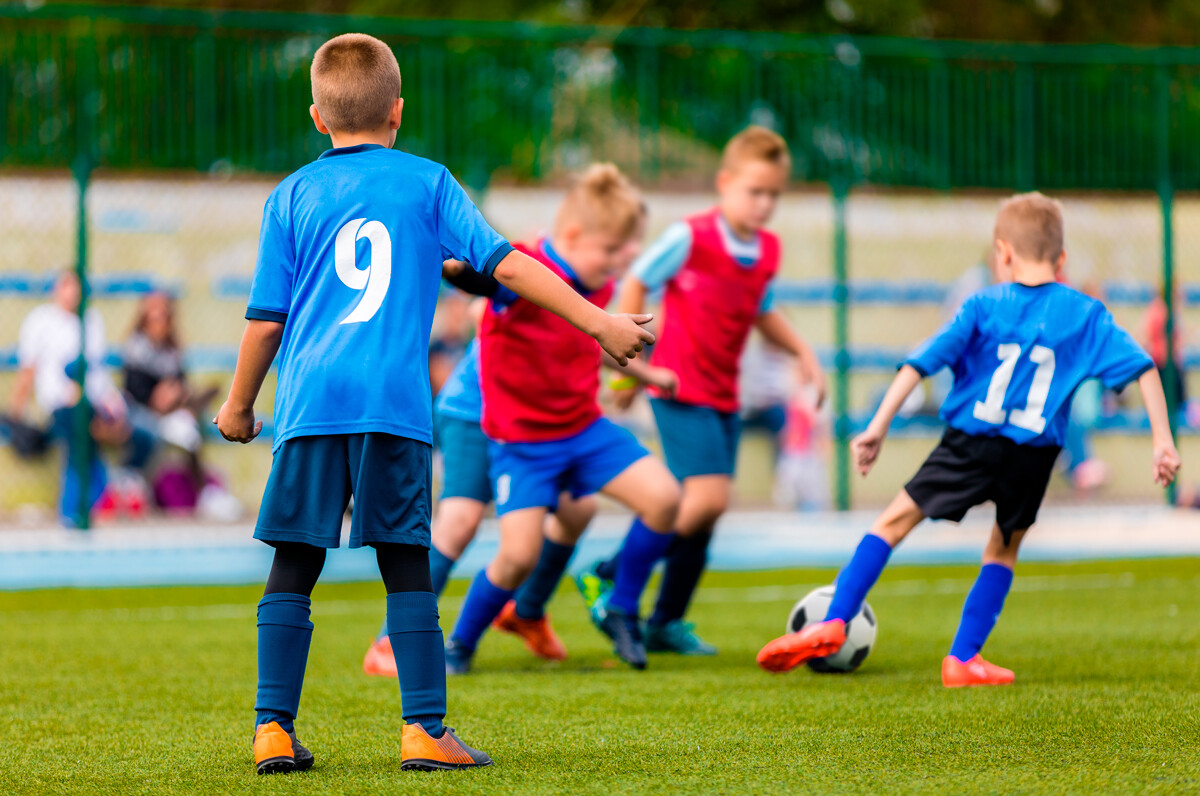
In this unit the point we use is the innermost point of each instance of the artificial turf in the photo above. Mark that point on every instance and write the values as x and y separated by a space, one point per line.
151 690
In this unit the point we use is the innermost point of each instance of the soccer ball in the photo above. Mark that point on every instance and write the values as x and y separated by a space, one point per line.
860 631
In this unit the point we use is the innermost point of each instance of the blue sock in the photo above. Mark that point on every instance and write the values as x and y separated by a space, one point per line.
981 610
539 587
439 573
284 633
482 605
641 551
412 620
858 577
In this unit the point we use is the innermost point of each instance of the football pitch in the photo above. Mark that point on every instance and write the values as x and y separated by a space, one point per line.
151 691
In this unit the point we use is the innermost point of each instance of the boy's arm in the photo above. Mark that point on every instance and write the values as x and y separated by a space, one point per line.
774 326
632 299
866 446
21 391
621 336
1166 457
260 343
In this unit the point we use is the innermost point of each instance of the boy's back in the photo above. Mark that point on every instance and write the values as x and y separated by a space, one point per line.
350 255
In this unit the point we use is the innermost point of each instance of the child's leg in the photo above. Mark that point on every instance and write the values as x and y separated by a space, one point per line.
416 636
986 598
871 556
520 545
649 489
284 631
562 531
705 499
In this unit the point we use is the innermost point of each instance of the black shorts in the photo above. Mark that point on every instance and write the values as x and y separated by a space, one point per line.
965 470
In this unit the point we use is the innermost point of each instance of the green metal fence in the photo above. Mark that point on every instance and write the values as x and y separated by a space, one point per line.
151 90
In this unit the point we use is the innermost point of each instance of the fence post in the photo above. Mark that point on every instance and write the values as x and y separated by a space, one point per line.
1166 200
841 390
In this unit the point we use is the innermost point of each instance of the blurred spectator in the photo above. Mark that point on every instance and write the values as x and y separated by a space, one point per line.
47 353
1154 339
767 383
802 474
451 336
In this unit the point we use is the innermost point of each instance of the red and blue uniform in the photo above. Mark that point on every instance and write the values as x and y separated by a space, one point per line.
540 378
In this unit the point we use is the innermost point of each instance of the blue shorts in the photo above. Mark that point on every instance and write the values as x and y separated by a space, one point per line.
312 479
532 474
697 440
465 458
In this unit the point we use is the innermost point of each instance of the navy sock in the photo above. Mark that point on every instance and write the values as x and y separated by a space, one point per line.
284 634
607 568
686 560
641 551
483 604
981 610
858 577
539 587
412 620
440 565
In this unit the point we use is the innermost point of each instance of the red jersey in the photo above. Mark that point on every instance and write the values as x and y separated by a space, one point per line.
540 375
708 309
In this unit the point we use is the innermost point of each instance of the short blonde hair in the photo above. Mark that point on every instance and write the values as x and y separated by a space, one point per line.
757 143
1032 223
355 82
604 199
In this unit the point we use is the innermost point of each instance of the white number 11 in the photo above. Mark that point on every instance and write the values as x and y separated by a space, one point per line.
991 408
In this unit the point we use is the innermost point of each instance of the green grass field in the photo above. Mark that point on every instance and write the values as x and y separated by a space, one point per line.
150 690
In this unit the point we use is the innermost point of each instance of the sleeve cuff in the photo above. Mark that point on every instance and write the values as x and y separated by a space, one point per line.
259 314
917 366
1121 384
499 254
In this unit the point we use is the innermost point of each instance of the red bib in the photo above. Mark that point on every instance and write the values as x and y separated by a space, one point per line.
540 375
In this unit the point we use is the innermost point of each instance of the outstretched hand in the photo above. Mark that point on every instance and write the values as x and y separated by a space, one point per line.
622 336
1166 464
865 450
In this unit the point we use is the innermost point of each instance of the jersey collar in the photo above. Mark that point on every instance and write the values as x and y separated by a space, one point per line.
557 259
349 150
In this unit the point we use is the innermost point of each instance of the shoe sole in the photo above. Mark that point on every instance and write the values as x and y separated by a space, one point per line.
424 764
278 765
788 659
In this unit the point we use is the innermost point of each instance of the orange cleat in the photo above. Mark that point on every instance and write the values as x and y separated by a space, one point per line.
277 751
815 641
539 637
379 660
977 671
421 751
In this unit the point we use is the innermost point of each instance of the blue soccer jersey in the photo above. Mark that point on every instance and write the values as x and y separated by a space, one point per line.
1018 353
460 396
350 260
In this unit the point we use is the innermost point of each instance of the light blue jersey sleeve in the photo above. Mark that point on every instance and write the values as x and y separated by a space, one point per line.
768 300
947 346
462 231
1119 359
658 264
271 290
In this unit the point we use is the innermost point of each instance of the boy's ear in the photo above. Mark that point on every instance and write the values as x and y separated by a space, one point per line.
723 178
316 117
570 232
1061 261
395 114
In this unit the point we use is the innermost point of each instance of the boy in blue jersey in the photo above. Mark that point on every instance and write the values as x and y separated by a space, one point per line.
344 290
1018 351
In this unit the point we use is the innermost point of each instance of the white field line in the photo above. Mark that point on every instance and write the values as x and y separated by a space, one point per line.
744 594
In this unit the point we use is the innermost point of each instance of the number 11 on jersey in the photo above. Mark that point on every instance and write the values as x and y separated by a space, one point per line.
991 408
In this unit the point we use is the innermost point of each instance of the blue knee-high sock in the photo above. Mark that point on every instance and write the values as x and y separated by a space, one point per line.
412 620
981 610
284 634
641 551
439 572
858 577
539 587
483 604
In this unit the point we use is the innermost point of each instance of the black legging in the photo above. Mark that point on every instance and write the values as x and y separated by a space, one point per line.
404 567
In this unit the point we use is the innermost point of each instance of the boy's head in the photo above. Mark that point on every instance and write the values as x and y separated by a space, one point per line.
1029 231
598 223
755 167
356 87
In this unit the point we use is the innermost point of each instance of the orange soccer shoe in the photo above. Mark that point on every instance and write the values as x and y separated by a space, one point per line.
379 660
539 637
422 752
277 751
977 671
815 641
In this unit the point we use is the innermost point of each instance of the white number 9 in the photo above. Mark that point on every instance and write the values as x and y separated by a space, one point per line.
375 277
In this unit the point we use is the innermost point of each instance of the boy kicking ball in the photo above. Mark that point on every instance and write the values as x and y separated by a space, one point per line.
1018 351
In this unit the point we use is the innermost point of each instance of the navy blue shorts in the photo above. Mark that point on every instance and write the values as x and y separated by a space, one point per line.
465 458
533 474
697 440
312 479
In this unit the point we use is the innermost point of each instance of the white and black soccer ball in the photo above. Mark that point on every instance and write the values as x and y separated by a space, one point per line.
860 631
